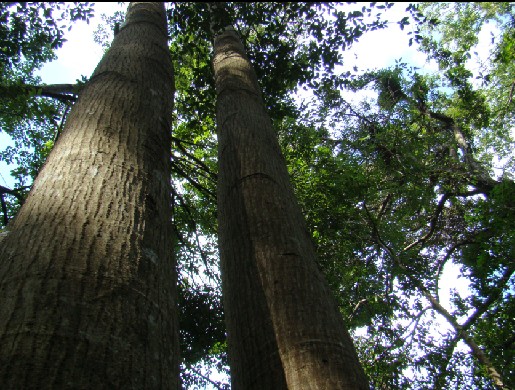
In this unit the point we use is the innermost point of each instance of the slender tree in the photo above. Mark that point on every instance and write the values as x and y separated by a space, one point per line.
284 328
86 274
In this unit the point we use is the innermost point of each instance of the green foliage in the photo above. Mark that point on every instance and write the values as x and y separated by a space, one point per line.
31 31
201 324
458 30
496 330
105 31
389 87
393 188
420 151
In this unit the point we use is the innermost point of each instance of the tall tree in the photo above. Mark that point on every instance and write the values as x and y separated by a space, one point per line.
270 33
86 273
284 328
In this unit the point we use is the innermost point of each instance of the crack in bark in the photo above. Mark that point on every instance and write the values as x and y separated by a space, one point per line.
256 175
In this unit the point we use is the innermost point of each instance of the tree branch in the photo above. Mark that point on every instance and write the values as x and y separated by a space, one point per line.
511 92
192 220
441 263
462 334
5 190
4 210
216 384
436 216
478 173
199 162
63 92
199 187
435 304
485 305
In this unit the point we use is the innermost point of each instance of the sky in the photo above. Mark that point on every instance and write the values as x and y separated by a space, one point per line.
80 55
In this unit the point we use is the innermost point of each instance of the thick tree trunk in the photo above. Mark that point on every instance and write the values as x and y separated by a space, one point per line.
284 328
87 281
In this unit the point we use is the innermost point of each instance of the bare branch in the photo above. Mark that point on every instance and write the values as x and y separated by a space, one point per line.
63 92
5 190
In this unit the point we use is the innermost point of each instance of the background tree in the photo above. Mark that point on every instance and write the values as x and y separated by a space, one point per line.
195 163
284 329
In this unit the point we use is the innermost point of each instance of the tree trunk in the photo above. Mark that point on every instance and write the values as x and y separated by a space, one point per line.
87 281
284 327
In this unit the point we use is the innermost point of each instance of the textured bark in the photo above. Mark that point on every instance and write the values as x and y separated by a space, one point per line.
87 281
284 328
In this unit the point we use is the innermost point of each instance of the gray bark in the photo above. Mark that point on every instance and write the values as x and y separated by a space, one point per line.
284 328
87 281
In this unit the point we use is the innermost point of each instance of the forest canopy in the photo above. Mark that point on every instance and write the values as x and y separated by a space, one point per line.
402 173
